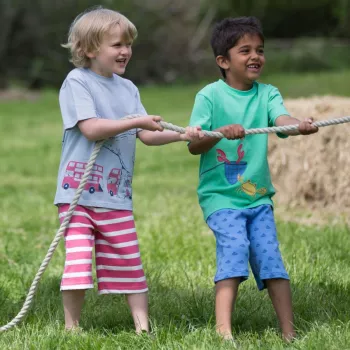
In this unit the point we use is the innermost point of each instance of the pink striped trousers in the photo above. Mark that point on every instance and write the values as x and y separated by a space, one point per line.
118 263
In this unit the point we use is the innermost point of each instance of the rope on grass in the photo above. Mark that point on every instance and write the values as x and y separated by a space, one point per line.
55 242
94 154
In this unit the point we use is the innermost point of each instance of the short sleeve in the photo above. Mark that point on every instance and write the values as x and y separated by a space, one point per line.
140 109
276 108
76 102
202 113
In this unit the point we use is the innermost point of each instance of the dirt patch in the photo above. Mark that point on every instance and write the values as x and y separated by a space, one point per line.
312 173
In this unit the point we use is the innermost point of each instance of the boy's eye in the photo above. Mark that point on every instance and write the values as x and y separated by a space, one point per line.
120 44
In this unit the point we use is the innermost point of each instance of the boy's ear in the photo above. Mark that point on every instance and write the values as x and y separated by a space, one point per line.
91 54
221 61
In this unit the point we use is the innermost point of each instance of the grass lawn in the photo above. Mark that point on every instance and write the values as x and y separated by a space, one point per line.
177 248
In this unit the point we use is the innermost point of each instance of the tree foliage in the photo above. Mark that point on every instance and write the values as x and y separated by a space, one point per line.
173 35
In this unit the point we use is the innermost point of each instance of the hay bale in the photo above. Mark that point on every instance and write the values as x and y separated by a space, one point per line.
313 172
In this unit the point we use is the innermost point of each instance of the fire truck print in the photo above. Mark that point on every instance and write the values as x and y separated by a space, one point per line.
74 173
117 179
113 181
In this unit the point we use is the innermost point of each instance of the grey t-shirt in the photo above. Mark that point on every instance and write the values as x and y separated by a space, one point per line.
83 95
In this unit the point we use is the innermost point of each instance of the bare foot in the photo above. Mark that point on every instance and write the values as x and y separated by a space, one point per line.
289 337
145 333
74 329
228 337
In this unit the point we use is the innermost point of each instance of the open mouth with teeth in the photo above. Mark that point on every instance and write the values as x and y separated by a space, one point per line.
254 66
121 61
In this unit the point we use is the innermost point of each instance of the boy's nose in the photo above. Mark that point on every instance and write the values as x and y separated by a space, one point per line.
124 50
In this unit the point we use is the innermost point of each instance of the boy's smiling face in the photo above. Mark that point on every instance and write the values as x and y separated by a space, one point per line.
113 55
244 62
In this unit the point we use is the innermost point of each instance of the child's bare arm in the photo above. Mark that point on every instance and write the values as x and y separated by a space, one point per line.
156 138
202 146
99 129
305 127
231 132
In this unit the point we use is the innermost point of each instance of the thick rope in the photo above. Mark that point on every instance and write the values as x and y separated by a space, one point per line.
94 154
56 240
274 129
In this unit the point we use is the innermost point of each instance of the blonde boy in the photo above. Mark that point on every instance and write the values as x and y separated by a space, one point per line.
93 99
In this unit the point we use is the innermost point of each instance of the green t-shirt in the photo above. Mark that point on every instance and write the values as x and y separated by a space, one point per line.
235 173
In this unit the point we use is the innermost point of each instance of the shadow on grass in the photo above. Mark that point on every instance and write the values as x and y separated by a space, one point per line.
185 309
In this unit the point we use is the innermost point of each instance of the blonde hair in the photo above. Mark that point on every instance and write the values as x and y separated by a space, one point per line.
87 31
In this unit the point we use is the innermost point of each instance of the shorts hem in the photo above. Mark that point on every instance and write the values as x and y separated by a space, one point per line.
77 287
235 274
126 291
262 285
275 276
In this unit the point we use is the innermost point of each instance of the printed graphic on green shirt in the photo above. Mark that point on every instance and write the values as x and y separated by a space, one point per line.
234 171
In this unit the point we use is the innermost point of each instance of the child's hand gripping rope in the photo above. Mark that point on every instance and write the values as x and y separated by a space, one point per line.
306 127
153 123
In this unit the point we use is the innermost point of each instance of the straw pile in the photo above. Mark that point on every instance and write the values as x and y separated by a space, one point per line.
312 172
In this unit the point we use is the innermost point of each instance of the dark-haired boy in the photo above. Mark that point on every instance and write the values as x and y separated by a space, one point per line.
235 188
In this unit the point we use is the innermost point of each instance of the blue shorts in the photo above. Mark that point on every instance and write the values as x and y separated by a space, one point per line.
247 235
